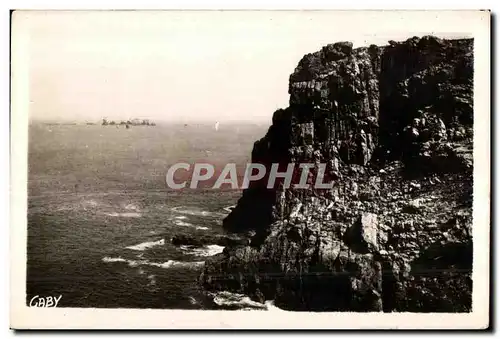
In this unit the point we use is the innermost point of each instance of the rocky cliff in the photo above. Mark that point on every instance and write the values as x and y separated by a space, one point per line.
394 126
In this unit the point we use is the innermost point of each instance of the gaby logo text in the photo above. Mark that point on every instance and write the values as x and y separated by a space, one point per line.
298 176
49 301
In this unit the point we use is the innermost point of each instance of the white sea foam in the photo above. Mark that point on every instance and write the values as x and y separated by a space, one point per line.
271 307
231 299
109 259
181 217
131 207
125 214
146 245
183 223
205 251
183 210
131 263
65 207
174 263
193 301
179 222
229 209
166 264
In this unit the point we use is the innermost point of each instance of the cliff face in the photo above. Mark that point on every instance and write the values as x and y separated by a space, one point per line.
394 126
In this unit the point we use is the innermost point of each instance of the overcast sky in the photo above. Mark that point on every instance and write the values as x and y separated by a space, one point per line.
186 66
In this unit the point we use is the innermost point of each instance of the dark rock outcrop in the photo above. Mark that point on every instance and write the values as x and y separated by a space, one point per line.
394 126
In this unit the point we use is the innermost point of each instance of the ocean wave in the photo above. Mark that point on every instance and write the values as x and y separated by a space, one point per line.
183 223
175 263
146 245
131 207
69 205
130 262
181 217
183 210
166 264
193 301
242 302
125 214
236 300
205 251
62 208
271 307
119 259
229 209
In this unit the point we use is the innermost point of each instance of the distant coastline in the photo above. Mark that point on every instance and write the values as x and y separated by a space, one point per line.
104 122
130 122
180 123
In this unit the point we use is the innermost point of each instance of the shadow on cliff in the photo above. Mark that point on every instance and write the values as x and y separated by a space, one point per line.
254 210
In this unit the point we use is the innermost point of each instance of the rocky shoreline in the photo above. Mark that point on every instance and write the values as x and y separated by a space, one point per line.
395 126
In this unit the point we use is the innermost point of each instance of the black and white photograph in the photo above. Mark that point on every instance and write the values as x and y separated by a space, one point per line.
261 164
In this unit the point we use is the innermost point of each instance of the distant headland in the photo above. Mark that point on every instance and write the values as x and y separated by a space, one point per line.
132 122
104 122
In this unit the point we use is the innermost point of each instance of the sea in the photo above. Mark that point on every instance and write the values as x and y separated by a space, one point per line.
101 217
